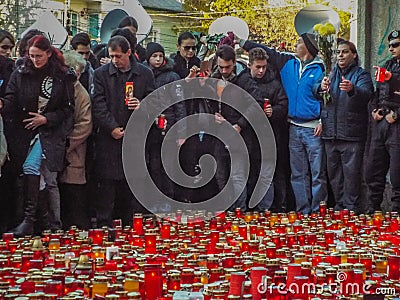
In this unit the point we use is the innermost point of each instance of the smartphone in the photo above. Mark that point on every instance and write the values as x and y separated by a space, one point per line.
203 68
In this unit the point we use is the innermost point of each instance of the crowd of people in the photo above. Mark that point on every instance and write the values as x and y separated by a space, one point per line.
65 113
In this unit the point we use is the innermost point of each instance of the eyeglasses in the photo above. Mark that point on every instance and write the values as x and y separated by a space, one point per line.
83 52
394 45
6 47
187 48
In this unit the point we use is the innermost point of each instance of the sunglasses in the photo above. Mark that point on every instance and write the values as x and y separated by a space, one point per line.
6 47
187 48
83 52
394 45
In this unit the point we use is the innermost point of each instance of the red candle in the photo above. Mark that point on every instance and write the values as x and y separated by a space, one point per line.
358 281
174 282
236 283
271 251
238 213
7 237
228 262
165 230
257 274
54 287
117 223
153 282
329 236
187 276
150 245
292 271
111 265
366 259
96 235
322 209
27 287
214 237
394 267
394 225
138 224
311 238
243 231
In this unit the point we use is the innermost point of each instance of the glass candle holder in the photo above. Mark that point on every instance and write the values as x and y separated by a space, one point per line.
165 230
174 281
236 283
100 286
153 282
150 243
394 267
131 283
256 277
96 235
381 264
138 224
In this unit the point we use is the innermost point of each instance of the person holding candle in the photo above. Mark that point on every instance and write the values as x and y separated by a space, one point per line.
162 68
196 146
307 153
111 116
276 110
227 73
384 151
344 123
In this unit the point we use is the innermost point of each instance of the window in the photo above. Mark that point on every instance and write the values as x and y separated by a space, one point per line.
74 23
94 26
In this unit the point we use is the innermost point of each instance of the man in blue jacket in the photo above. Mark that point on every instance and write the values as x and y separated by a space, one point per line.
299 72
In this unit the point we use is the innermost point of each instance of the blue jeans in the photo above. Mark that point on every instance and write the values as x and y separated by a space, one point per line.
308 166
32 163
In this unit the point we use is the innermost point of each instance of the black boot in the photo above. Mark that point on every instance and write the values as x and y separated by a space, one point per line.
42 213
31 195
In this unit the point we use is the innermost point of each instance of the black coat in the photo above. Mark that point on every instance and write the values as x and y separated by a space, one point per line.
246 82
22 97
163 76
272 89
6 68
109 112
182 66
386 96
345 117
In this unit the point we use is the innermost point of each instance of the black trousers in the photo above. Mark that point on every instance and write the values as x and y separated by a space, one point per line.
74 205
383 154
115 201
344 164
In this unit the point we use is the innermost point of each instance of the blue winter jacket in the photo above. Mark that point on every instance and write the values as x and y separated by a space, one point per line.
297 81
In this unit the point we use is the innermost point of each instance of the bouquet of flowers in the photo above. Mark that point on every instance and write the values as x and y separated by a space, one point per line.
218 39
325 34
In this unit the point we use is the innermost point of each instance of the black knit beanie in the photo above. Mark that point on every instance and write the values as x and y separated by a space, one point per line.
311 43
153 48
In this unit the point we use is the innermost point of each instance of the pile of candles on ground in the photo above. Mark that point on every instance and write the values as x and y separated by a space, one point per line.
193 255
